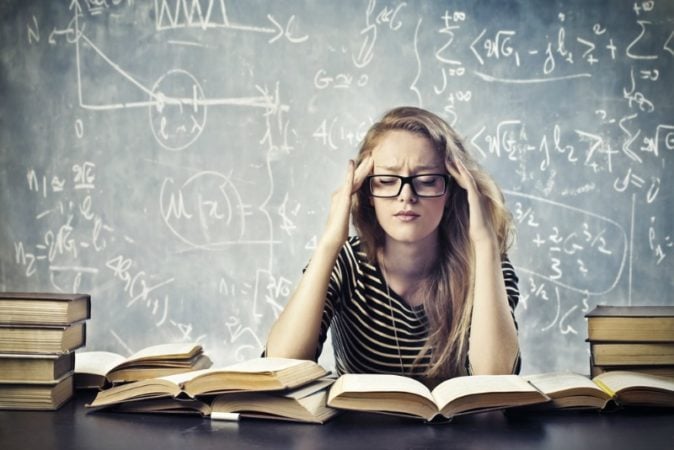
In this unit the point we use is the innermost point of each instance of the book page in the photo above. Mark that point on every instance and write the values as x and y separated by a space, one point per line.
310 388
455 388
166 350
622 379
260 365
365 382
557 382
97 363
181 378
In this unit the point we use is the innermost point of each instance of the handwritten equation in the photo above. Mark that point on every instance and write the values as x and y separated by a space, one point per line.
194 144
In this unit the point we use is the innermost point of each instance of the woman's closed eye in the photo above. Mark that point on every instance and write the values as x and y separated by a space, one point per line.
429 180
380 179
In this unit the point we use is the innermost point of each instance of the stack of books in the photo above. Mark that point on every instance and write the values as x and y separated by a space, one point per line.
38 335
633 338
263 388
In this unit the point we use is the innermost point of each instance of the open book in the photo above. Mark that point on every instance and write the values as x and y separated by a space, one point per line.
304 404
615 388
395 394
99 369
260 374
167 405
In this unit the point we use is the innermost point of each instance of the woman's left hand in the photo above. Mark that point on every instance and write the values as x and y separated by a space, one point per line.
480 229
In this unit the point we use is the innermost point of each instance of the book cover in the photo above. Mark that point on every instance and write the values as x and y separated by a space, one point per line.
43 396
35 368
631 323
43 308
42 339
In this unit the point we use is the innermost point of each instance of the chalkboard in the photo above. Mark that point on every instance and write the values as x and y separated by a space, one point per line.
175 158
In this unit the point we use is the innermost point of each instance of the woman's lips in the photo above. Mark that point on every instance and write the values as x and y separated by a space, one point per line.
406 216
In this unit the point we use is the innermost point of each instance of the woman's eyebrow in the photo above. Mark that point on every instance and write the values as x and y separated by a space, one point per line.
415 169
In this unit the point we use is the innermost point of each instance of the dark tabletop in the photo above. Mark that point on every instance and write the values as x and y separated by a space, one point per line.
73 427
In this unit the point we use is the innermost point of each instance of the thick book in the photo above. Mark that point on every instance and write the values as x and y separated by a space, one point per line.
48 396
638 389
304 404
97 369
662 371
605 391
35 368
631 323
260 374
396 394
42 339
632 353
166 405
41 308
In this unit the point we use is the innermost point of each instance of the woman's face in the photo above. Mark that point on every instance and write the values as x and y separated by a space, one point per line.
408 218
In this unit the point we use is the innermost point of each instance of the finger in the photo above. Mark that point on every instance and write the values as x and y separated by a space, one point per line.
459 172
348 179
362 171
452 169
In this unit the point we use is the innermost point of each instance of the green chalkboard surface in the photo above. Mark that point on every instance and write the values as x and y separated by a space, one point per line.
175 158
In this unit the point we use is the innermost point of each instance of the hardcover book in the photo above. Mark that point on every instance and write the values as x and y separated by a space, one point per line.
37 308
42 339
631 323
35 368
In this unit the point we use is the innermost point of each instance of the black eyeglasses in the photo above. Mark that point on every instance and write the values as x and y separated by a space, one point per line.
423 185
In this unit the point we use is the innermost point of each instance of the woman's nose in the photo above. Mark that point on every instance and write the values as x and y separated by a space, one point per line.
407 193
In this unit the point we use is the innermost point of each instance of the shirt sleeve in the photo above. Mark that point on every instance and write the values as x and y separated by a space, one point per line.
342 280
513 293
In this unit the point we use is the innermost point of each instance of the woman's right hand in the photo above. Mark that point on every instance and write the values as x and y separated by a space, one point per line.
337 228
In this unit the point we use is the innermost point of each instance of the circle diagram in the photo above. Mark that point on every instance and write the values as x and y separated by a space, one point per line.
178 111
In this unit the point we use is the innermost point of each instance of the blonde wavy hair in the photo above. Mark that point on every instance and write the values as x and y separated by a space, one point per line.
448 291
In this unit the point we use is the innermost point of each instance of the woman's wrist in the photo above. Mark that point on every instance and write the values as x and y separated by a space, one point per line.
488 243
328 246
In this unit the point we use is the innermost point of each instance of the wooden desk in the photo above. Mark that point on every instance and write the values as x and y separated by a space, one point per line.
73 427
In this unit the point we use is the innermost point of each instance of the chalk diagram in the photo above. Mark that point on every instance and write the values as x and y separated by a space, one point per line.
583 252
206 211
177 124
176 101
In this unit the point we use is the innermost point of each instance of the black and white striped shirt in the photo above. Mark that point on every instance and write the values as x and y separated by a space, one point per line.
360 314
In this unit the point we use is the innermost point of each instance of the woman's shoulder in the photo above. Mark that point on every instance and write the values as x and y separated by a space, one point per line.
356 246
353 242
353 250
507 265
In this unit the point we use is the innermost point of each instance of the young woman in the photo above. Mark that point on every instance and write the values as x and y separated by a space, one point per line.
425 289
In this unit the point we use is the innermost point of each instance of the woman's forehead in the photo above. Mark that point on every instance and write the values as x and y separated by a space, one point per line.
398 149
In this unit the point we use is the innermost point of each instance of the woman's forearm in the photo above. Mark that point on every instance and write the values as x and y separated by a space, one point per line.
295 332
493 336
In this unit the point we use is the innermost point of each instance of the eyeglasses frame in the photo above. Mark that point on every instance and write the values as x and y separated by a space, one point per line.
408 180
